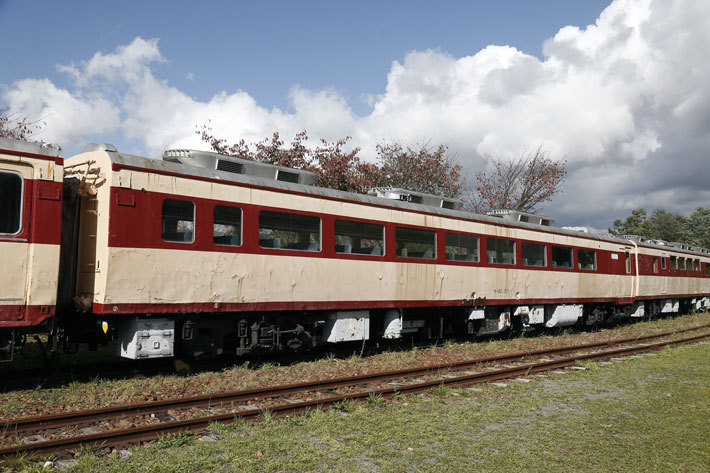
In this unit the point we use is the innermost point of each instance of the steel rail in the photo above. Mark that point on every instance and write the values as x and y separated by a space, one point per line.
152 432
51 421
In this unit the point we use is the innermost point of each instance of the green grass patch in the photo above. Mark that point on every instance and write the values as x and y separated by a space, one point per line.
648 413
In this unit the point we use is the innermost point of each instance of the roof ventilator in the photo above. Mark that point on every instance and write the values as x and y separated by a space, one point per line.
230 164
405 195
515 216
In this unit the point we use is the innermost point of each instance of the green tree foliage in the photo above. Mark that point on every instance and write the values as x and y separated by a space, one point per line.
669 226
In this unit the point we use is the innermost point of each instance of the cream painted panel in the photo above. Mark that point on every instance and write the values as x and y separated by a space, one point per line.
99 161
176 276
44 274
30 273
13 277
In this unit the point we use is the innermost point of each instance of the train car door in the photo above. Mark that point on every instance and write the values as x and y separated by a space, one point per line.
15 220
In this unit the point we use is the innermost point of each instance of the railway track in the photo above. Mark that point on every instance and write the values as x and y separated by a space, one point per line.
149 421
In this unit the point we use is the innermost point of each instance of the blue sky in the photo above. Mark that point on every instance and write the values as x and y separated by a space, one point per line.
267 47
618 88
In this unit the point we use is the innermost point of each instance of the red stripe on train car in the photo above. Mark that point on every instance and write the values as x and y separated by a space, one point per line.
118 167
57 160
211 307
25 315
129 206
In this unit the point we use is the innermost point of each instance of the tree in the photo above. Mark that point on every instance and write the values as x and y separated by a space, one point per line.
419 168
16 129
422 168
699 227
520 183
668 226
632 225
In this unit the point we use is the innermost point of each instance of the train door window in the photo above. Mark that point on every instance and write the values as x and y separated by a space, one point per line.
415 243
10 203
461 247
697 265
663 262
681 263
178 221
587 260
628 262
500 251
289 231
359 238
561 257
227 225
674 262
655 264
534 254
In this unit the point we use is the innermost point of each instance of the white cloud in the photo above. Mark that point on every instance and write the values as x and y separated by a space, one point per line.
626 101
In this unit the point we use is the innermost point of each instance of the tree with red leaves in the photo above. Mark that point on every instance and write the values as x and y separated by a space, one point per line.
521 183
10 127
422 168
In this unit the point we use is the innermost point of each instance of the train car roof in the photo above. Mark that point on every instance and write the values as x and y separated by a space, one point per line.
33 148
127 161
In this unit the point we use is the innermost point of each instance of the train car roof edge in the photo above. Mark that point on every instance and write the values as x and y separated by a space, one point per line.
123 160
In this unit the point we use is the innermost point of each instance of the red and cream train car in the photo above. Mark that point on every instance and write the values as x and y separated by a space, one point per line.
31 178
204 254
224 260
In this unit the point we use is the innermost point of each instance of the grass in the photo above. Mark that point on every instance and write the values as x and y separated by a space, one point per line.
641 414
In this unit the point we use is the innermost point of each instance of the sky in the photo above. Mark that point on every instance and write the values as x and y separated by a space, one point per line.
619 89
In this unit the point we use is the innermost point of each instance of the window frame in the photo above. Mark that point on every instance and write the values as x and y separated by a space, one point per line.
21 215
579 263
415 229
544 254
383 238
465 235
194 221
514 252
571 257
297 214
241 225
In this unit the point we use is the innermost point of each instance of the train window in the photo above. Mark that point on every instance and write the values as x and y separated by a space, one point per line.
663 262
178 221
587 260
561 257
359 238
288 231
681 263
534 254
697 265
674 262
10 203
461 247
627 256
707 269
227 225
655 264
415 243
500 251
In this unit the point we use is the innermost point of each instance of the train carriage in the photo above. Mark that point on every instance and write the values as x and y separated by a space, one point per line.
258 259
200 253
31 178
